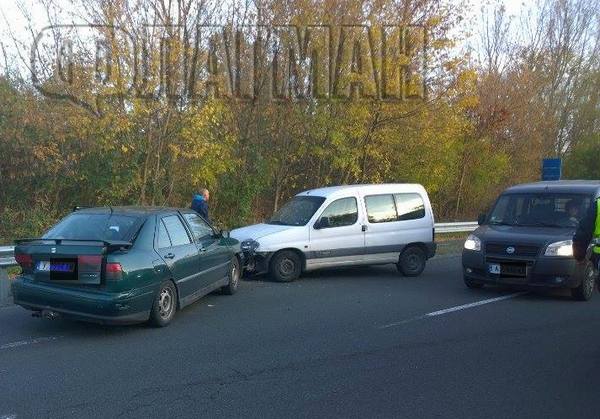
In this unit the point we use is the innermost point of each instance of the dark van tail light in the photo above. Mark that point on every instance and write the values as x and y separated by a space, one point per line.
113 271
25 261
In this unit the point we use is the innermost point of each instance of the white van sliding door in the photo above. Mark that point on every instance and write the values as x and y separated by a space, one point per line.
394 220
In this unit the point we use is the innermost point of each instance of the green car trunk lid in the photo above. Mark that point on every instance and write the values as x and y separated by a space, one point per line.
66 262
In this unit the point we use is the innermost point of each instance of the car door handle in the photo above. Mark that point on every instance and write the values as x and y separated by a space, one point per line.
203 249
169 256
364 228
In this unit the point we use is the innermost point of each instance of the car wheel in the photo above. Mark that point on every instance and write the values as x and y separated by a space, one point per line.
234 278
412 261
470 283
584 291
165 305
285 266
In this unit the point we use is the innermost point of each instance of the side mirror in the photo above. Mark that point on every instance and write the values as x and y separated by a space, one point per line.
481 219
220 234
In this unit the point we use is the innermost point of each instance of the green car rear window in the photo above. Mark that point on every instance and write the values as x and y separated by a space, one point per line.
90 226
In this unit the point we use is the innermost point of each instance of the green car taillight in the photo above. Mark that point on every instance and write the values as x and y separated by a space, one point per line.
113 271
89 263
25 261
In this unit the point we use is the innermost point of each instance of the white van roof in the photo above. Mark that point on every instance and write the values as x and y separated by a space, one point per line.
380 188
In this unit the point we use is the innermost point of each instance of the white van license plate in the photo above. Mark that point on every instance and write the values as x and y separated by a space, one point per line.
494 268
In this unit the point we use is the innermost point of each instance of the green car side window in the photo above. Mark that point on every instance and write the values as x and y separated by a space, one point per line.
176 230
200 229
163 237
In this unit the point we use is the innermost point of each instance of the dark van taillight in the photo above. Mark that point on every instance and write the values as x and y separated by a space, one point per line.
25 261
113 271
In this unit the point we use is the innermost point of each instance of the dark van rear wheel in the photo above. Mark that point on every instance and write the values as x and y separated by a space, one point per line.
165 305
585 290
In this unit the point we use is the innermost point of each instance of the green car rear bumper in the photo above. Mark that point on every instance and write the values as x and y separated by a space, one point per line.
82 304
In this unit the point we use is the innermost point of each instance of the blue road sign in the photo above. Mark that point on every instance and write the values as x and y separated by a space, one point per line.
551 169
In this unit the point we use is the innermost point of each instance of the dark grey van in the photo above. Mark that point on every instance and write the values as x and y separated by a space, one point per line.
526 239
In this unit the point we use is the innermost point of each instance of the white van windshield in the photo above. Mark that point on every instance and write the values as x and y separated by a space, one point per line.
298 211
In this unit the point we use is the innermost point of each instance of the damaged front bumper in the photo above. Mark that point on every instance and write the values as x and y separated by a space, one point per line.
254 263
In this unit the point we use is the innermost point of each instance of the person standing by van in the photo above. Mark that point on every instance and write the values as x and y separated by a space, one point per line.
200 203
588 230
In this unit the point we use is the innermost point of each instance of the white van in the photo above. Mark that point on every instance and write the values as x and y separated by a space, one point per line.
343 226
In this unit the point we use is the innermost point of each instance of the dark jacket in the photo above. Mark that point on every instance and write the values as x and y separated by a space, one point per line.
200 205
585 233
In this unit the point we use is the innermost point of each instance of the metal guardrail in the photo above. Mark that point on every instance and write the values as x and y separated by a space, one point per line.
7 257
462 227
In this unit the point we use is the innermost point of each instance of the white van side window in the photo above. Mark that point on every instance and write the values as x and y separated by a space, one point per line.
381 208
342 212
410 206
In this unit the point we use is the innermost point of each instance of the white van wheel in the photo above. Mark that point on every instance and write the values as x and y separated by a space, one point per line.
412 261
285 266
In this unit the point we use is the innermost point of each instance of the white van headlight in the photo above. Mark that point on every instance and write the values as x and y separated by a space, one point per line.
473 243
249 245
563 248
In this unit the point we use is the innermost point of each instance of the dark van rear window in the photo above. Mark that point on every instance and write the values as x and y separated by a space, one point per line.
89 226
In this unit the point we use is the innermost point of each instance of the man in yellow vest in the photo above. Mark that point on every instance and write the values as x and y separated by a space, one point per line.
588 232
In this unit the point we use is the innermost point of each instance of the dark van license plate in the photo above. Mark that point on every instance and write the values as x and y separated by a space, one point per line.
513 270
508 269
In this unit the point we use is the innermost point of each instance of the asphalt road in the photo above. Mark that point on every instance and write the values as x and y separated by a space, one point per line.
347 343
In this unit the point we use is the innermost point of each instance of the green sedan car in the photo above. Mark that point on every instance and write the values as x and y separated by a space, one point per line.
124 265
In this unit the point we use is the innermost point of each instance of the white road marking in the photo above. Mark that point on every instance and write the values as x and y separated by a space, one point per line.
453 309
28 342
475 304
13 416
